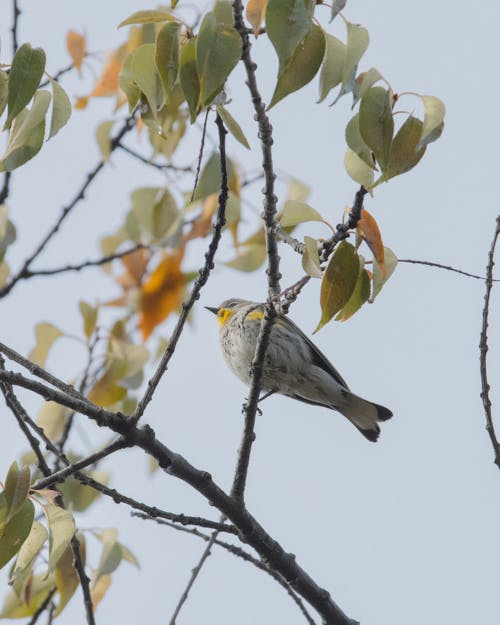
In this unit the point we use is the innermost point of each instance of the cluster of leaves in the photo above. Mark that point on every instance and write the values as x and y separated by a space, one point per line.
44 561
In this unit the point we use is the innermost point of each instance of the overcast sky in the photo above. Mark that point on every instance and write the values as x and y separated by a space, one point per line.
401 532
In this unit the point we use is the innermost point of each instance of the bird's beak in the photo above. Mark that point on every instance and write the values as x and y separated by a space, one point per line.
212 310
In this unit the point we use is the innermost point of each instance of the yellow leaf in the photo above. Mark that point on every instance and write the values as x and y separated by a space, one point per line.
76 45
81 103
52 419
256 10
45 335
106 392
369 231
99 589
161 293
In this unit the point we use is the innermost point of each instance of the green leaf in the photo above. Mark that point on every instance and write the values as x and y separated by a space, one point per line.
303 65
210 179
188 74
376 124
45 335
434 119
147 17
16 531
17 486
27 133
287 23
332 69
218 50
61 530
89 316
27 554
296 212
360 294
337 6
25 74
233 126
310 258
223 10
78 495
155 210
103 136
167 56
356 144
139 71
363 82
4 90
406 151
15 607
52 418
359 171
249 258
378 280
339 281
357 43
61 108
111 555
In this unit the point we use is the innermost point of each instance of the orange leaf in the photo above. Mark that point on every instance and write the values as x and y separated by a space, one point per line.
81 103
203 223
135 267
76 45
107 84
369 231
161 293
255 14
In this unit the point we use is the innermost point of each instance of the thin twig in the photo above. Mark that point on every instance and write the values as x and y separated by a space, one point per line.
483 348
447 267
42 607
80 195
146 161
200 281
200 155
15 26
58 75
4 193
83 265
239 553
84 580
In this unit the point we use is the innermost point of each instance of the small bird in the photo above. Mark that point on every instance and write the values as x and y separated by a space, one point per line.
293 366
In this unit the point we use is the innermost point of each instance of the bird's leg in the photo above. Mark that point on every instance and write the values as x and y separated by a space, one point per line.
259 411
266 395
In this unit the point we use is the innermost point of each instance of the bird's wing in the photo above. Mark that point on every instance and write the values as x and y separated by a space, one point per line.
319 359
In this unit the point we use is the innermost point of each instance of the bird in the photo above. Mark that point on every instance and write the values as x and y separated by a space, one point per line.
293 365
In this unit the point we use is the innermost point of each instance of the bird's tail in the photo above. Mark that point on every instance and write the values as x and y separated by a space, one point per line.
364 414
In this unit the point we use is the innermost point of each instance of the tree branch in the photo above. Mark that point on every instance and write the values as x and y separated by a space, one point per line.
200 281
160 166
4 193
483 348
15 26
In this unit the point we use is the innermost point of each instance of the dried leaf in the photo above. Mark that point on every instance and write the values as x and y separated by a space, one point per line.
369 231
76 45
256 9
45 335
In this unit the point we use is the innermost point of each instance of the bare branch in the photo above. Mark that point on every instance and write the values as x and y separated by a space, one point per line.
58 74
160 166
200 155
447 267
483 348
42 608
4 193
15 26
200 281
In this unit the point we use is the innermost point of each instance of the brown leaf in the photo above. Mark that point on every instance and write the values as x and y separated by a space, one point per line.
161 294
76 45
255 14
203 223
135 267
369 231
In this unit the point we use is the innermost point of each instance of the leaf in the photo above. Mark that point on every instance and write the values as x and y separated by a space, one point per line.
256 9
356 144
357 44
108 82
433 121
296 212
332 69
27 133
61 108
89 316
359 296
210 178
61 531
17 485
378 280
52 419
287 23
339 280
369 231
147 17
76 45
218 50
363 82
310 258
4 90
25 74
111 555
233 126
106 392
103 137
99 589
249 258
405 150
139 70
337 6
155 210
303 65
16 531
167 56
161 293
359 171
67 579
15 607
27 554
78 496
223 12
45 335
376 124
188 74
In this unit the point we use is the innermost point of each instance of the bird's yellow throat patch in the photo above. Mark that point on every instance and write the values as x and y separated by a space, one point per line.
224 314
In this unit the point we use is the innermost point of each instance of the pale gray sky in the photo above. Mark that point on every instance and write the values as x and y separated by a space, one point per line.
399 532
